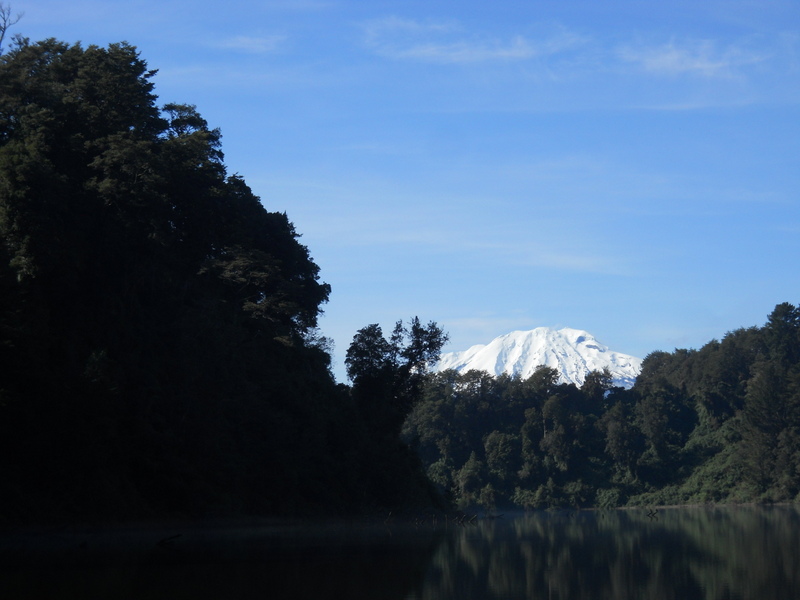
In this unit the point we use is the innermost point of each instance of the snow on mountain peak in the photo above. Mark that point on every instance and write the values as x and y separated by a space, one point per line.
573 352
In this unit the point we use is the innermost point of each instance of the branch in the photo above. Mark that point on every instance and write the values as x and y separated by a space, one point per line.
7 21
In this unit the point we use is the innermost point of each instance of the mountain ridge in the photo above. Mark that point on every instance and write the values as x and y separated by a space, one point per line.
573 352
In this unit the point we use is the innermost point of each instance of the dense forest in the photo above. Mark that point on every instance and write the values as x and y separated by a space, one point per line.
160 355
159 347
718 424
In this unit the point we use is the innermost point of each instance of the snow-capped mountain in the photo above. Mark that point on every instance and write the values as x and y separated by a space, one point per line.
574 353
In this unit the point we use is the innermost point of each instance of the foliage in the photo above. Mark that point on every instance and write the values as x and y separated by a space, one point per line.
387 377
388 374
157 324
718 424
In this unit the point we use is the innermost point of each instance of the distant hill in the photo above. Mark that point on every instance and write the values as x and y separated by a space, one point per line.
573 352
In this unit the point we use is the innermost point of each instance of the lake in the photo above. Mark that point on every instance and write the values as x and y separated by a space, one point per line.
682 553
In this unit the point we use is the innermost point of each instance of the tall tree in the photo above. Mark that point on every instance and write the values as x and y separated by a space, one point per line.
6 22
387 377
390 372
157 323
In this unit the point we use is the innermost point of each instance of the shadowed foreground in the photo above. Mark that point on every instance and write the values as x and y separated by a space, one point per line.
745 553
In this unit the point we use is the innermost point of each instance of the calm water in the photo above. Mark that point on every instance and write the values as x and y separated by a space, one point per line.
720 553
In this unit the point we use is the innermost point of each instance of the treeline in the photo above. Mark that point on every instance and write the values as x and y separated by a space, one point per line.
159 350
718 424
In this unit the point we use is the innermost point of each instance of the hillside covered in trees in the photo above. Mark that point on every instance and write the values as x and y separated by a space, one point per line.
159 350
718 424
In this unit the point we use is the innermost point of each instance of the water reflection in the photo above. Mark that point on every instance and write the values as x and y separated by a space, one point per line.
721 553
725 553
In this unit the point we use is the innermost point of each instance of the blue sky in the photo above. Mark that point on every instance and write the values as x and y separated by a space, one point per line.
625 167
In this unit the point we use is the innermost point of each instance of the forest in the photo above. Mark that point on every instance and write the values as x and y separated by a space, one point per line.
161 356
158 325
716 425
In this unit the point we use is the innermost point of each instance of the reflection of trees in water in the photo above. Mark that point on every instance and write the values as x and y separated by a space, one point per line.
709 554
745 553
759 550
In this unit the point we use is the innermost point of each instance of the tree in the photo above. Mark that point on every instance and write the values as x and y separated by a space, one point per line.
7 21
782 333
502 451
623 442
469 482
157 322
370 355
391 371
596 385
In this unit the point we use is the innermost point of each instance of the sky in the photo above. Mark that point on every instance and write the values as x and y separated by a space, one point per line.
625 167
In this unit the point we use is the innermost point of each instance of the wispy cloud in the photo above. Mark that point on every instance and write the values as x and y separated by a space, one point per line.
706 58
253 44
467 52
447 42
563 56
378 30
577 262
297 5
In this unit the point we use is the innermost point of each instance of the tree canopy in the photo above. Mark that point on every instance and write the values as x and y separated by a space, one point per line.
718 424
158 325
